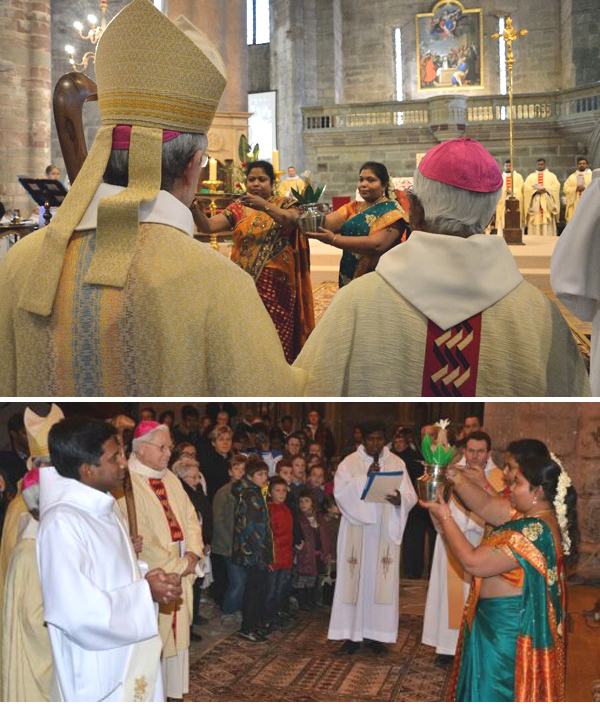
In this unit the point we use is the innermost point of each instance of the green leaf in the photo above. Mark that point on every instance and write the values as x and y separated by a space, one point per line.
297 195
255 151
243 148
426 449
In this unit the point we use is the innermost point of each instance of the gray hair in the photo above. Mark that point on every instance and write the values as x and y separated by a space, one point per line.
175 156
217 432
454 211
148 437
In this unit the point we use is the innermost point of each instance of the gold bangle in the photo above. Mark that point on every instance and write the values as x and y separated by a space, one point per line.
334 237
266 208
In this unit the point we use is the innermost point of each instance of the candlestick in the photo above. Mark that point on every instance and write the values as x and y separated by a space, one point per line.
212 171
213 185
275 160
278 175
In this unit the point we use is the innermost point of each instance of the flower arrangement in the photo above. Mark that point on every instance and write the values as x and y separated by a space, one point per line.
246 153
439 452
560 506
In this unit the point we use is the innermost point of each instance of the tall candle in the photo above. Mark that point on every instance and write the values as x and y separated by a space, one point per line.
212 172
276 160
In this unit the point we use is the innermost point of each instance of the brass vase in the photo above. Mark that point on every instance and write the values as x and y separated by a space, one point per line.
433 479
312 217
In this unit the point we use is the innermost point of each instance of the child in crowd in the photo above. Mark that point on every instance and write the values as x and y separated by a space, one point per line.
281 567
252 546
284 471
311 559
316 482
228 587
331 520
298 475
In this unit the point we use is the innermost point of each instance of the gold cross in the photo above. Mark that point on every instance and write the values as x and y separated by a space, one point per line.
387 561
509 35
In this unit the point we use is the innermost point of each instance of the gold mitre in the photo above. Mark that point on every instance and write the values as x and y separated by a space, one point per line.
37 429
152 74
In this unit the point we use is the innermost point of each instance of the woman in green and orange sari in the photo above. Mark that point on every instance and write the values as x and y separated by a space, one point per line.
268 245
512 640
366 229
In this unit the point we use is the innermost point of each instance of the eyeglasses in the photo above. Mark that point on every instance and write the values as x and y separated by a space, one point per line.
204 162
164 448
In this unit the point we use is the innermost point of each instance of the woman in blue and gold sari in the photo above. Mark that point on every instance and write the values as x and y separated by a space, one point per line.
366 229
512 639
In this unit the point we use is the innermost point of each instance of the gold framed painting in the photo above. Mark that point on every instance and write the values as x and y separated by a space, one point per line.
449 48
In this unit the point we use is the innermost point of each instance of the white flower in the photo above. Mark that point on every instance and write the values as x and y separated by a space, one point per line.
442 424
560 507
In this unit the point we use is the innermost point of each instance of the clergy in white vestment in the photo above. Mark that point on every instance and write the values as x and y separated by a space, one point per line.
541 193
506 190
575 269
98 606
447 313
575 185
365 604
172 536
449 584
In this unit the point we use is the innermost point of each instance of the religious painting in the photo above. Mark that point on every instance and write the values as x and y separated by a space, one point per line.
449 48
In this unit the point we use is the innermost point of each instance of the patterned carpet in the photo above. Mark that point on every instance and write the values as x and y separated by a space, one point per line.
300 665
322 297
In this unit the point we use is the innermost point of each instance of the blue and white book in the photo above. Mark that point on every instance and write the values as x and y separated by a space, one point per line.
381 484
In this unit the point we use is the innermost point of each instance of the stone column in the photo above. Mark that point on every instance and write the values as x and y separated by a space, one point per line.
25 105
293 73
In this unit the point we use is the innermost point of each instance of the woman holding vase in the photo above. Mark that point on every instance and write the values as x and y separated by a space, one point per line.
268 245
512 639
366 229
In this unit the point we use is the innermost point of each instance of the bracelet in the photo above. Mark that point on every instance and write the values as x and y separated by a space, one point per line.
334 237
266 208
446 517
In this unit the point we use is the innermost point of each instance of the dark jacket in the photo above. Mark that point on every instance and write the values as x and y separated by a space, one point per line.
252 538
316 546
214 466
203 508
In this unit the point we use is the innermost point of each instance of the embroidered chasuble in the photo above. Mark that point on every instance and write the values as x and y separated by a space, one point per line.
365 603
541 208
570 189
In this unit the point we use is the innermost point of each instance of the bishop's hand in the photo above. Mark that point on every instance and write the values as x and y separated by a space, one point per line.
165 588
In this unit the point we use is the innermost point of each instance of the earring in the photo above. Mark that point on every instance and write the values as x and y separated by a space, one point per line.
534 502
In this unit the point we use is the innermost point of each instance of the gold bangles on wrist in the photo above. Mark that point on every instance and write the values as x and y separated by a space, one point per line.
266 208
334 237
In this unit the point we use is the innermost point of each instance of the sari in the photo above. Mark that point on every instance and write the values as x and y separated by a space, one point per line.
513 648
363 223
278 259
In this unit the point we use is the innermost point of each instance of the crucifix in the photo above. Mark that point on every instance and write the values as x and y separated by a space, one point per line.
512 230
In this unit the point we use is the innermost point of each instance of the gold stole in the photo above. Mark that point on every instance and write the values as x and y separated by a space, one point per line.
456 575
387 562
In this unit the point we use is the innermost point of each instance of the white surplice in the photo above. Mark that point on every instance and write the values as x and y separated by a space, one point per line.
436 631
368 617
98 609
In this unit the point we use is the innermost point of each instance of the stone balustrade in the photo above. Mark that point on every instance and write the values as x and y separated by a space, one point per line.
559 106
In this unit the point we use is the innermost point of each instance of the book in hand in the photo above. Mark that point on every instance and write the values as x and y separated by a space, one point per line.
381 484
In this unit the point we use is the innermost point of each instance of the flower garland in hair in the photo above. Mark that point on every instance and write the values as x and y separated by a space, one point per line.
560 506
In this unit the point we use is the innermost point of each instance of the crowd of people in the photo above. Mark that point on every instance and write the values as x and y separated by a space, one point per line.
266 519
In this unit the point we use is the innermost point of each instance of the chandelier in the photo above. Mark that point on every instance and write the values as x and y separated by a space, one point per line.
93 35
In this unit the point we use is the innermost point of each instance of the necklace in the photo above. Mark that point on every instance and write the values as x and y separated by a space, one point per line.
364 206
538 514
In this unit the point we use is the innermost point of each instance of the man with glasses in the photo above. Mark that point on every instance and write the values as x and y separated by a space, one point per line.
116 297
172 537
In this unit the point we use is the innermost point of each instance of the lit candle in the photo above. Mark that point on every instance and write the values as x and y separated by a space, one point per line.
212 172
276 160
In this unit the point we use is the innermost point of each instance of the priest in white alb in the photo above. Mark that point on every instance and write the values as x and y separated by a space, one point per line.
449 584
98 606
575 185
541 193
365 604
506 190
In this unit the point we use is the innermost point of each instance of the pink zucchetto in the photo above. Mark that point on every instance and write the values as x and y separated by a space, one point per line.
121 138
462 163
30 488
146 427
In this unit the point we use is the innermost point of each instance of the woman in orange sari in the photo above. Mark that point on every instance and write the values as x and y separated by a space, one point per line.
268 245
512 640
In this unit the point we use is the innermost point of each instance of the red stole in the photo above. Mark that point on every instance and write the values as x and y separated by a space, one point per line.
161 493
452 359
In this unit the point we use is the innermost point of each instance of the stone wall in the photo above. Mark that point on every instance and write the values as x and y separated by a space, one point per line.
572 432
25 106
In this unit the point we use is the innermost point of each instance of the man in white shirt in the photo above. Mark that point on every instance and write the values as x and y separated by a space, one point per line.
98 607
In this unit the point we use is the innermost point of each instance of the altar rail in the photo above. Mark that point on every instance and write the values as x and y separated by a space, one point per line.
567 105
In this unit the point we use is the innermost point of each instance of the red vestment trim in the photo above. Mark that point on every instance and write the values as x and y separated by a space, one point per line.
161 493
452 359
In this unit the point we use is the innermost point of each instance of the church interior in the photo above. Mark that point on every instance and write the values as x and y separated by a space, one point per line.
326 86
299 663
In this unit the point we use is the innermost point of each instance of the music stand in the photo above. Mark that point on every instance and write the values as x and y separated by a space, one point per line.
46 193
